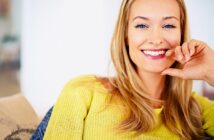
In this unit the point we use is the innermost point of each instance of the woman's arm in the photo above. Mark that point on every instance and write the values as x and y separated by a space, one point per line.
69 113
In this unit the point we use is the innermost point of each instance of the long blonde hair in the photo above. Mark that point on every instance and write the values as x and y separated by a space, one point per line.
180 107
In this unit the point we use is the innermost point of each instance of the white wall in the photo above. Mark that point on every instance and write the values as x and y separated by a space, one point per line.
201 21
16 17
64 38
61 39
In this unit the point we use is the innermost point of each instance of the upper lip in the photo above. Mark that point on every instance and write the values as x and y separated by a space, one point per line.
155 49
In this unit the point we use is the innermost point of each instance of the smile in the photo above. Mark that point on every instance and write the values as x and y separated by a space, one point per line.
154 54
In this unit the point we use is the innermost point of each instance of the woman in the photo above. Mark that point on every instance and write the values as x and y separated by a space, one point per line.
151 95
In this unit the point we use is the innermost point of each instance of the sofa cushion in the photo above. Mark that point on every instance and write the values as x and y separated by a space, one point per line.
18 120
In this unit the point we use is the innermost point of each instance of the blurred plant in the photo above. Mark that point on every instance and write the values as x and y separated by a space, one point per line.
9 38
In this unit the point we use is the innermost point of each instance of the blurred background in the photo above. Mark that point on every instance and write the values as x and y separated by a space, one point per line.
10 29
45 43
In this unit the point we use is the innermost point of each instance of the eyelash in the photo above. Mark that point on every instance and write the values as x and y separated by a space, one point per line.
169 26
143 26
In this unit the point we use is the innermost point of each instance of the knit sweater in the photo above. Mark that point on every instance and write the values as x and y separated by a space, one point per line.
81 113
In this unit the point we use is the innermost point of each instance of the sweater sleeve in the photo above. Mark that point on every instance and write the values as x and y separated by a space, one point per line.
207 113
67 119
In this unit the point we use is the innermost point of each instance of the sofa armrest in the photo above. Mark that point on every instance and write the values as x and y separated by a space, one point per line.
18 120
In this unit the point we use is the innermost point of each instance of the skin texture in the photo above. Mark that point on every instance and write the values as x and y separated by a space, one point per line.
157 28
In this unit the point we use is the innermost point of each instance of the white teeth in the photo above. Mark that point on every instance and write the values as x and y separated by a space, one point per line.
154 53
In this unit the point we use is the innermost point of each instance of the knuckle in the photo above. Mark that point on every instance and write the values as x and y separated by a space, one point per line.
194 40
177 49
184 44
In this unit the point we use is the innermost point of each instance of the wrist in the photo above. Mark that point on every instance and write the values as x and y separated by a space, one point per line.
209 78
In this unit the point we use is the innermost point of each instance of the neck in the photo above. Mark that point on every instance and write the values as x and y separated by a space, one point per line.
153 83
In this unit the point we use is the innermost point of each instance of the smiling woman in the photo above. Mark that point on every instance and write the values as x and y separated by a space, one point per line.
150 96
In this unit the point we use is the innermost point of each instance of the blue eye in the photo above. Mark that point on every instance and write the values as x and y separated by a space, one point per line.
141 26
168 26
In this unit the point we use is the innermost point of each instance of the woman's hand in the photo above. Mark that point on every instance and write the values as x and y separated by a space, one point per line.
197 59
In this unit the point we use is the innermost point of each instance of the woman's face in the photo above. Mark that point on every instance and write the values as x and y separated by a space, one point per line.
153 28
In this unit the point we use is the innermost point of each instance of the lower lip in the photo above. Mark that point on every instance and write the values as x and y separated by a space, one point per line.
161 56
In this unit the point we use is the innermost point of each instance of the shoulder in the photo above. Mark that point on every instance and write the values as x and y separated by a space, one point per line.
204 102
79 92
81 81
207 107
89 82
78 85
84 87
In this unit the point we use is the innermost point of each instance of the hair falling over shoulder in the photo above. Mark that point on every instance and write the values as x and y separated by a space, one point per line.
180 107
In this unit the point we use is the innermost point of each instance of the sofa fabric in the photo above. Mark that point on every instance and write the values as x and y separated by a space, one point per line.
18 120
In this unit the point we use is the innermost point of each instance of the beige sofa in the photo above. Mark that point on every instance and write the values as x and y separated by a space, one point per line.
18 120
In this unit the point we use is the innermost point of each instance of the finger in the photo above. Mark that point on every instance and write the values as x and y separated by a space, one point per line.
174 72
197 45
170 53
186 51
192 47
179 55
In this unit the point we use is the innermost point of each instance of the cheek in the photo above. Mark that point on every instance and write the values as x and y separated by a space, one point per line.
174 40
135 38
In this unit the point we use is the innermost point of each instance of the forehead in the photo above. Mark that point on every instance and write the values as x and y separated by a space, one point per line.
155 8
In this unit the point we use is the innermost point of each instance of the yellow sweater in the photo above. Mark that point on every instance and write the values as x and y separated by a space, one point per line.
79 114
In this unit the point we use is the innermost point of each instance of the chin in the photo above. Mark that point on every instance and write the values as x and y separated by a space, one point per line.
155 68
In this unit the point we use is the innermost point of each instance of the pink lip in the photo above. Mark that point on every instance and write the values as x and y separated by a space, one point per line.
161 49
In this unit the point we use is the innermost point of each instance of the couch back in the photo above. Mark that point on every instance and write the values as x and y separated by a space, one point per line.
18 120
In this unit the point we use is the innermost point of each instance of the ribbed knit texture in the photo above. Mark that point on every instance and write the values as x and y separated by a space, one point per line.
80 114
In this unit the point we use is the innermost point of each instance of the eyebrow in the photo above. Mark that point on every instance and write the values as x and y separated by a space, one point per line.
164 18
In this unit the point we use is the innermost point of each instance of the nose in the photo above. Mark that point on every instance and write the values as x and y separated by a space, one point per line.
155 37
